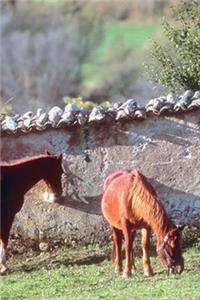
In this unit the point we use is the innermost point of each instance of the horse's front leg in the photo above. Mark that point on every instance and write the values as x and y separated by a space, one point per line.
6 223
128 241
146 233
3 266
117 249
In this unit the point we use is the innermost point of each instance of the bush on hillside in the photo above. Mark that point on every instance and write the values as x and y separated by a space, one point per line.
42 61
177 64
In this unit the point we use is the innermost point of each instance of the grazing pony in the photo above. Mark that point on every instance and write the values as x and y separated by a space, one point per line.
16 179
130 203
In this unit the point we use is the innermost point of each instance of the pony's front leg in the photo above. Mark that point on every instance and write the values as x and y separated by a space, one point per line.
128 240
146 233
3 266
117 249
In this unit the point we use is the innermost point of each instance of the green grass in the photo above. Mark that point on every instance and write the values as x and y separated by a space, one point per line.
115 35
85 274
129 35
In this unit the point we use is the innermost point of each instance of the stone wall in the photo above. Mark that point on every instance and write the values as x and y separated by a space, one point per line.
165 149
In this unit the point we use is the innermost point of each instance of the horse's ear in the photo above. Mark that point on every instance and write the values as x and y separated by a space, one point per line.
180 227
59 156
47 152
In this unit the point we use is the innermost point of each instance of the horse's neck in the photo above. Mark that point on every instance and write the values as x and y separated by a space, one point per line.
162 224
149 207
32 172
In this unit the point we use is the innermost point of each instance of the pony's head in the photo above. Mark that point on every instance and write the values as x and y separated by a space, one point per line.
169 249
53 177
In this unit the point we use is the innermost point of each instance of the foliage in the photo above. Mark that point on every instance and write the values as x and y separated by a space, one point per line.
86 104
121 74
80 274
178 63
118 50
75 48
5 109
37 68
42 61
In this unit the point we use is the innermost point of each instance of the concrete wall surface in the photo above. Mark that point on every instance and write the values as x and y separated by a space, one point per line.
165 149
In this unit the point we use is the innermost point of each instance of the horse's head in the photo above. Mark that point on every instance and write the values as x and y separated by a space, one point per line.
53 177
169 249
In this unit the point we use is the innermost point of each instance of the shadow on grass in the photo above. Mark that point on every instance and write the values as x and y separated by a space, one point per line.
35 263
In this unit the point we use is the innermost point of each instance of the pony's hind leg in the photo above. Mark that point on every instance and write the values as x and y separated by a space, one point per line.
117 249
3 266
133 234
128 241
146 233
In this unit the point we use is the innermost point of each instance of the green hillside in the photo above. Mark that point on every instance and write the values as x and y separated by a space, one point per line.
115 36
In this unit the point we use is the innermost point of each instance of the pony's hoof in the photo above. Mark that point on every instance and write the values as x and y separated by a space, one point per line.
134 271
118 272
3 270
127 275
148 274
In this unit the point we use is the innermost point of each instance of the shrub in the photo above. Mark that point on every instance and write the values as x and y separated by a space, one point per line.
85 104
177 65
5 109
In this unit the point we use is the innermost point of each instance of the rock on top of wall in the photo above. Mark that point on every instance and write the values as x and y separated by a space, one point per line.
71 115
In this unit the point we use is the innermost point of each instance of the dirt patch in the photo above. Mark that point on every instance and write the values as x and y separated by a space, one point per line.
18 245
34 261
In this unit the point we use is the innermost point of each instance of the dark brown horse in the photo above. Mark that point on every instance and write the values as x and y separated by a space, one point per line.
130 203
16 179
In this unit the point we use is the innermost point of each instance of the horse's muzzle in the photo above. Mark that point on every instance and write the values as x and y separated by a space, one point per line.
176 268
52 197
49 197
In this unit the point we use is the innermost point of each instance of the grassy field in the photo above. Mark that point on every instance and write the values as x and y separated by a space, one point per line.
115 35
86 273
129 35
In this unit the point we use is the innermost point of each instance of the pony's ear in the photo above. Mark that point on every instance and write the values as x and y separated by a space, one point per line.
59 156
47 152
180 227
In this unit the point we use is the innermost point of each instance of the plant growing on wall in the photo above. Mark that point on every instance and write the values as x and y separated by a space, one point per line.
85 104
177 64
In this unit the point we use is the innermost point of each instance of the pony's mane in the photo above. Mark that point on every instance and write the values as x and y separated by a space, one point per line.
24 160
146 203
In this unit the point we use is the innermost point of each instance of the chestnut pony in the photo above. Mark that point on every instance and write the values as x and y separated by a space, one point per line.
16 179
130 203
